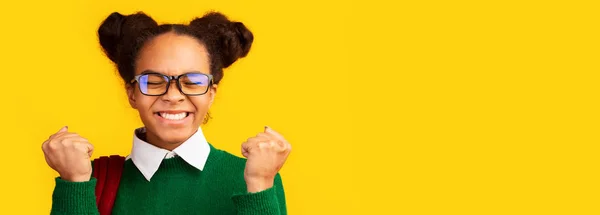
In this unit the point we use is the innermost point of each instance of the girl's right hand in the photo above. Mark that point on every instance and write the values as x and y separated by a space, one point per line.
69 154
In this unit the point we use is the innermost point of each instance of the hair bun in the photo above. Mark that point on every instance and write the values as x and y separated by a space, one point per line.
231 40
116 28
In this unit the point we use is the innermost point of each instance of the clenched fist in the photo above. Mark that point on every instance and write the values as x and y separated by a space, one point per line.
69 154
266 154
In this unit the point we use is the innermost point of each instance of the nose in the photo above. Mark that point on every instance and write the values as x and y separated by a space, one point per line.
173 94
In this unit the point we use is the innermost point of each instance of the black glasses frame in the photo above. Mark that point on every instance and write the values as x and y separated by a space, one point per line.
169 80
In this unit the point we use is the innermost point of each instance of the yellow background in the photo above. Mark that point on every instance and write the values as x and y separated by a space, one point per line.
436 107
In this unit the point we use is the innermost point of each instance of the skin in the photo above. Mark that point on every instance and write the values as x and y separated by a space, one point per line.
172 55
69 154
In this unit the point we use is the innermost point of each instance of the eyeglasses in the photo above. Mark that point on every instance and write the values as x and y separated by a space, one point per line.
156 84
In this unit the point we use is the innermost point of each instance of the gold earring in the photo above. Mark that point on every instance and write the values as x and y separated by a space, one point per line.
206 118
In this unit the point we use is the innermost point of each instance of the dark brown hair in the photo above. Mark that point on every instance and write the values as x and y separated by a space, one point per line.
122 37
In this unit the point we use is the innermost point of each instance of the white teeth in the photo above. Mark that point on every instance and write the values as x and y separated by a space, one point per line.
169 116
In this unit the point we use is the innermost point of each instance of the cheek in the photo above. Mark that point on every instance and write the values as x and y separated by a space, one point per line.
144 103
202 104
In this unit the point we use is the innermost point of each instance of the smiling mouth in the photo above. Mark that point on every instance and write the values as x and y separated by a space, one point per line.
173 116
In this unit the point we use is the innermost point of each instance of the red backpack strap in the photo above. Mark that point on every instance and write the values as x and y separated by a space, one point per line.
108 176
100 170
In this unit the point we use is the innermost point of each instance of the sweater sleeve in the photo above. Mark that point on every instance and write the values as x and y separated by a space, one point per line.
267 202
74 198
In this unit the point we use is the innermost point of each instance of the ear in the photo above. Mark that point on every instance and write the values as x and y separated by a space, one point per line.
130 88
213 93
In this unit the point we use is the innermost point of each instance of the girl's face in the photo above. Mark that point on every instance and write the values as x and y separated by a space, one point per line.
172 118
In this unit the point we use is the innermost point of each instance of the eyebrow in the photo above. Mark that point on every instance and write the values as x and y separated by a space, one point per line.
152 71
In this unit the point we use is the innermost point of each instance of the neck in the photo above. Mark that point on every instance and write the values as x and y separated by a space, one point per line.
158 142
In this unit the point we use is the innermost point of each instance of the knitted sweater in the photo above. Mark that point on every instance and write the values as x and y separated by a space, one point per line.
176 188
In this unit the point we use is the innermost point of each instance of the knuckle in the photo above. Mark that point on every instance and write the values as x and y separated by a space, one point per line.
52 146
79 147
67 143
262 145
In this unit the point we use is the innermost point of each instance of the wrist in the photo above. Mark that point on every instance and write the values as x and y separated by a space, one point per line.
76 178
258 184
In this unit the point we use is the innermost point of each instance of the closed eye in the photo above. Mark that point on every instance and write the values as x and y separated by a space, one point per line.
194 83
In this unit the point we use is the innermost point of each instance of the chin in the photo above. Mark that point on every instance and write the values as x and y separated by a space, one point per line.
170 130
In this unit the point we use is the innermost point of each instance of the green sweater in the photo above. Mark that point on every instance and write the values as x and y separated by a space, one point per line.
177 188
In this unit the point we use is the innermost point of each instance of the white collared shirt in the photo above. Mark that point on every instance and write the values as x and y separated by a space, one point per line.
147 157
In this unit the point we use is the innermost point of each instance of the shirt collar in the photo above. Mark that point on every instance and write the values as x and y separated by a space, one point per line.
147 157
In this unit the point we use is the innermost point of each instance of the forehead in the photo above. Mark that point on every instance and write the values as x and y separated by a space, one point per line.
173 54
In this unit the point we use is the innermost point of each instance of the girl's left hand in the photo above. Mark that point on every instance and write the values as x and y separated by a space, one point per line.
266 154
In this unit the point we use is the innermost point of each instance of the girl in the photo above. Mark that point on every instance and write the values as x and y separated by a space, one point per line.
171 73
